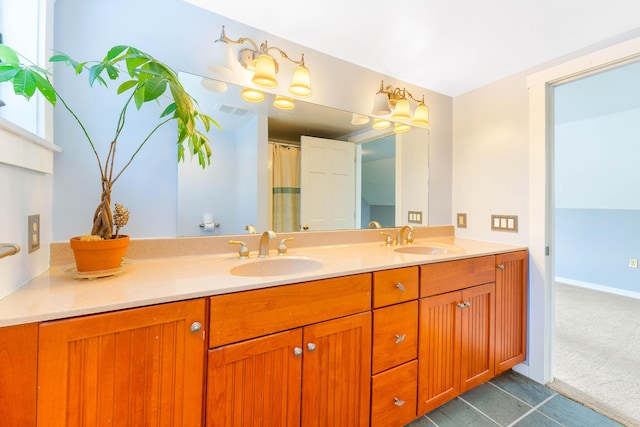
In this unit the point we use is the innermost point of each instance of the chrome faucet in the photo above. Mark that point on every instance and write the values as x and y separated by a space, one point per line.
251 229
264 243
374 224
400 239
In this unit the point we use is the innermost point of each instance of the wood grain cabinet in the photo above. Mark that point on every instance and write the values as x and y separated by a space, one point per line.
18 368
457 329
142 366
312 365
395 347
511 309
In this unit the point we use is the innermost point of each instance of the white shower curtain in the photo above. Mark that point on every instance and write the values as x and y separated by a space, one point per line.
286 187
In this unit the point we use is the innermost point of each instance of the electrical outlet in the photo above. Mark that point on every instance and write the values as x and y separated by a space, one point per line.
633 262
34 232
462 220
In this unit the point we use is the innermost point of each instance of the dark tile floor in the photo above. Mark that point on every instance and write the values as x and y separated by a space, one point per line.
512 400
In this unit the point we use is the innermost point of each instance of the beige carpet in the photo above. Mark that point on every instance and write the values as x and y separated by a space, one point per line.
597 351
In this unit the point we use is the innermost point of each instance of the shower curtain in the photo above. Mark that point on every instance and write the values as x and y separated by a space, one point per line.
286 187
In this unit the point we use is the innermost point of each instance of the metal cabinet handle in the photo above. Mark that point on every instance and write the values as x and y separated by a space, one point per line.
297 351
398 402
400 338
500 266
311 346
467 304
461 305
401 287
195 327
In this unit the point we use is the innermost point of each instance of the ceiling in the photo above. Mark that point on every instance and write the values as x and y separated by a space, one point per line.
450 46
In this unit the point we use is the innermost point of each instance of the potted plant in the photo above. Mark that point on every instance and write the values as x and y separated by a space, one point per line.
145 80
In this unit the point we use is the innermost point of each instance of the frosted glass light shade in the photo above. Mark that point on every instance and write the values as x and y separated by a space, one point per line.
301 82
401 128
214 85
252 95
381 104
284 103
380 124
421 116
359 119
402 110
265 74
222 58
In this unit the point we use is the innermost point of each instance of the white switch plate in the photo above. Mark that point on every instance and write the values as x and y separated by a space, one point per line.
504 223
633 262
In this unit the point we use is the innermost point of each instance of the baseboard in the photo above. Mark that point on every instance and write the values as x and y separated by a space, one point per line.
597 287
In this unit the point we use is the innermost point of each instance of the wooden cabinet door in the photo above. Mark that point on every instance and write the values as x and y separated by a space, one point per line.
511 310
140 366
336 372
256 382
18 367
478 337
439 350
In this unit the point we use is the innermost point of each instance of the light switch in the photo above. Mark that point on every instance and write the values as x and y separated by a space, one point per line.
504 223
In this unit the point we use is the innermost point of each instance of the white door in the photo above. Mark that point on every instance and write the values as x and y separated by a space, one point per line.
327 184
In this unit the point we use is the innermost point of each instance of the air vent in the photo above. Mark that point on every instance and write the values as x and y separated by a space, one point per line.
230 109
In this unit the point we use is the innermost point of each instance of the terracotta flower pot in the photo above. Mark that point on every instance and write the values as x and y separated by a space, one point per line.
99 255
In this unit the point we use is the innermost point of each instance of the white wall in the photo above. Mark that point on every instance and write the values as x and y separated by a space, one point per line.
26 187
490 158
86 30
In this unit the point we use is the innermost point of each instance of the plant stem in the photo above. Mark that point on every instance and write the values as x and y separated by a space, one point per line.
139 148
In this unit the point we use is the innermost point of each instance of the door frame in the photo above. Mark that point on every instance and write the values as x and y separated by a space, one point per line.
541 217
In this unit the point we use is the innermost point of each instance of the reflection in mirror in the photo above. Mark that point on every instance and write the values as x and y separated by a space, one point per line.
307 168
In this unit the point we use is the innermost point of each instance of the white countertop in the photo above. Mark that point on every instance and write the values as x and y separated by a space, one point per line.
59 293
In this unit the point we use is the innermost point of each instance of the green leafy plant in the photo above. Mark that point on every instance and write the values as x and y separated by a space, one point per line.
145 79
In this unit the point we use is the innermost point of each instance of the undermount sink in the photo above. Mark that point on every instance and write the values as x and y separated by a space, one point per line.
279 266
428 250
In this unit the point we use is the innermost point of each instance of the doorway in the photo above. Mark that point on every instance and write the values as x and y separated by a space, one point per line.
541 225
597 221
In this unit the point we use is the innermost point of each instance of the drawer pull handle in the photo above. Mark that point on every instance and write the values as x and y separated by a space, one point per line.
467 304
461 305
195 327
400 338
311 346
398 402
297 351
401 287
501 267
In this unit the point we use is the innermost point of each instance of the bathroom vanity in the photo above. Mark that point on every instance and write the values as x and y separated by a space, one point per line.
373 336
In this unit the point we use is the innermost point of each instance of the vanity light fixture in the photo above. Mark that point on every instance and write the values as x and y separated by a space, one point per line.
380 124
252 95
283 103
401 127
359 119
396 101
259 60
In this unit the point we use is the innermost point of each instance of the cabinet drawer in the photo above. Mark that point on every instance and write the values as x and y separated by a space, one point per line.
243 315
394 286
395 335
442 277
394 396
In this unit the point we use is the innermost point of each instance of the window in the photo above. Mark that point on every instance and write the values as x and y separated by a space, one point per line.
26 25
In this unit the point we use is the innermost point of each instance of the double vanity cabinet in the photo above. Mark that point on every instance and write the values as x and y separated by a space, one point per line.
376 348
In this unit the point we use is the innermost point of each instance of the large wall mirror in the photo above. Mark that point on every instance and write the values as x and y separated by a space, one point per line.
307 168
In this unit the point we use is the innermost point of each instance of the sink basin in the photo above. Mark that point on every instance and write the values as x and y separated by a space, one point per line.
428 250
280 266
